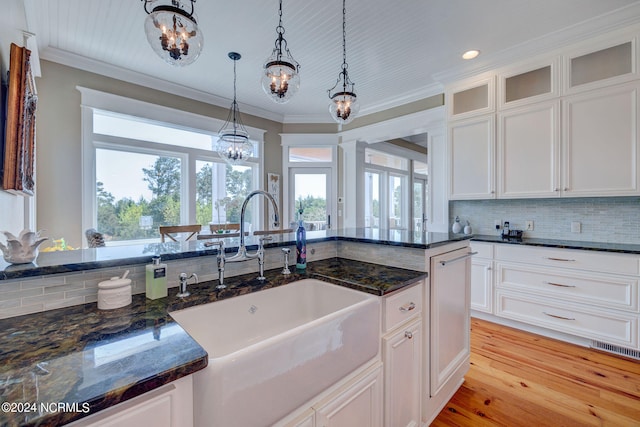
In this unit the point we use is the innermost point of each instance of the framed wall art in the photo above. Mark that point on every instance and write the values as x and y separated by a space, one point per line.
18 163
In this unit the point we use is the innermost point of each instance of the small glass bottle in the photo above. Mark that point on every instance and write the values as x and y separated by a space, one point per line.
301 243
156 279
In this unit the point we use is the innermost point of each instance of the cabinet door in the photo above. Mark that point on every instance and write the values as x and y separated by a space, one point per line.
471 158
482 284
402 374
529 151
168 406
601 152
450 290
358 405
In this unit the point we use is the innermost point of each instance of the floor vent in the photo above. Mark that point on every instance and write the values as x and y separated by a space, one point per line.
622 351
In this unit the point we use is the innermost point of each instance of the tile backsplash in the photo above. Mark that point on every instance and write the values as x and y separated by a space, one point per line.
602 219
36 294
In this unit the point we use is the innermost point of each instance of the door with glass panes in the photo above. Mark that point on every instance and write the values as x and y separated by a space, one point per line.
310 191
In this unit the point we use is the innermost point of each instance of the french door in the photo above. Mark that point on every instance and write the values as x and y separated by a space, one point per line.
310 188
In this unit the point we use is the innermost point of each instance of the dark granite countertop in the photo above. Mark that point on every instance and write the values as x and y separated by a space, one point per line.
82 355
565 244
114 256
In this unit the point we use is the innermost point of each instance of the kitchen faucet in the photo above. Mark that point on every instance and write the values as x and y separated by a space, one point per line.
242 254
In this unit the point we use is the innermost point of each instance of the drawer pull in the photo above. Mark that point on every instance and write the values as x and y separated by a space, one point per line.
407 307
467 255
558 317
560 285
408 334
560 259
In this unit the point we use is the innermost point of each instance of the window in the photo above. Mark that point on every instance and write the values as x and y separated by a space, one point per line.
150 173
394 199
310 177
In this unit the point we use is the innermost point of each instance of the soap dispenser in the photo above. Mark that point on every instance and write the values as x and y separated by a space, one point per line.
156 279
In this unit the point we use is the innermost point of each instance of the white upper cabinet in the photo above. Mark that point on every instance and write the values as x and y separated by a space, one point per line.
528 83
601 153
566 122
529 151
596 64
471 158
471 98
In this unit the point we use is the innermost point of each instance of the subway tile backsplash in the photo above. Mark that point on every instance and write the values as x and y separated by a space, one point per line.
602 219
32 295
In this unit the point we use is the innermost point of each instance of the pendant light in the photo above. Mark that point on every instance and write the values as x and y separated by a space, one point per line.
280 78
173 32
233 139
344 103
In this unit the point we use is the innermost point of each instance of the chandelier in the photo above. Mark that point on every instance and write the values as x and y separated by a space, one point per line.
233 139
173 32
280 78
344 103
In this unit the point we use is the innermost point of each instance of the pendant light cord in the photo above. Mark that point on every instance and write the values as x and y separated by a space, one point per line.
235 103
344 46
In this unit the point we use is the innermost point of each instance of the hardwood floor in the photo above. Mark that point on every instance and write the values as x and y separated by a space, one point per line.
521 379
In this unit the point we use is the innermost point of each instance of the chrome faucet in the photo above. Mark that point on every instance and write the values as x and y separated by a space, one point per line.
220 259
242 254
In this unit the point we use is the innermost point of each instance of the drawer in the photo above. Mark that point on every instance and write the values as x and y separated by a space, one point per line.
600 290
402 306
484 250
606 262
610 327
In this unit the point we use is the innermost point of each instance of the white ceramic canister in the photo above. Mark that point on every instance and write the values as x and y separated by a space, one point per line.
114 293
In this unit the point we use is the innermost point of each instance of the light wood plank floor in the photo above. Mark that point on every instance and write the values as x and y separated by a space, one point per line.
521 379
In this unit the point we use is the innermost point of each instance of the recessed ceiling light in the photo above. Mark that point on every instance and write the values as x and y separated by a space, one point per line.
470 54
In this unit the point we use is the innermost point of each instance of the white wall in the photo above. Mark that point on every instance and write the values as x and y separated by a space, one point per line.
12 21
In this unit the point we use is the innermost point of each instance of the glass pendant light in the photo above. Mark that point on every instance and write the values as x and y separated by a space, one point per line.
233 139
344 106
173 32
280 78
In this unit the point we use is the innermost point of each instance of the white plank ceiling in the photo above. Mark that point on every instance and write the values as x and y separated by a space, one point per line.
394 47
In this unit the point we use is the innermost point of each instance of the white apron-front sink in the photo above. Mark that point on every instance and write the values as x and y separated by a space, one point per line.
273 350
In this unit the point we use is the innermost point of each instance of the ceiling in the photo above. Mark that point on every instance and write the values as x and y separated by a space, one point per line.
394 48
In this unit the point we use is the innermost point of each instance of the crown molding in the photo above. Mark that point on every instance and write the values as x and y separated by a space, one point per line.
614 21
97 67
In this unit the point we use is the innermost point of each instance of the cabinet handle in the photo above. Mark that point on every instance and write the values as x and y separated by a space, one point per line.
467 255
558 317
560 285
560 259
408 334
556 189
407 307
566 189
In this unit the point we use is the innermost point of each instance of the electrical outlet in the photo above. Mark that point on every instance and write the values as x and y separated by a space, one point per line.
529 225
497 224
576 227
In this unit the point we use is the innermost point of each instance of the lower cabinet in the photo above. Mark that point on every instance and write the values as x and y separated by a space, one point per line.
357 403
402 375
482 277
168 406
446 346
581 294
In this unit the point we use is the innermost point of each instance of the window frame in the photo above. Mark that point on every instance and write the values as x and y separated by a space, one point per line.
92 100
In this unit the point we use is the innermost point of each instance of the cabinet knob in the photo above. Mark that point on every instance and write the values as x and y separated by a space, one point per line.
556 189
565 189
408 334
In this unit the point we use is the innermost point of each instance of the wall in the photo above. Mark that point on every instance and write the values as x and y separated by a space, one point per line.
58 160
12 213
603 219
